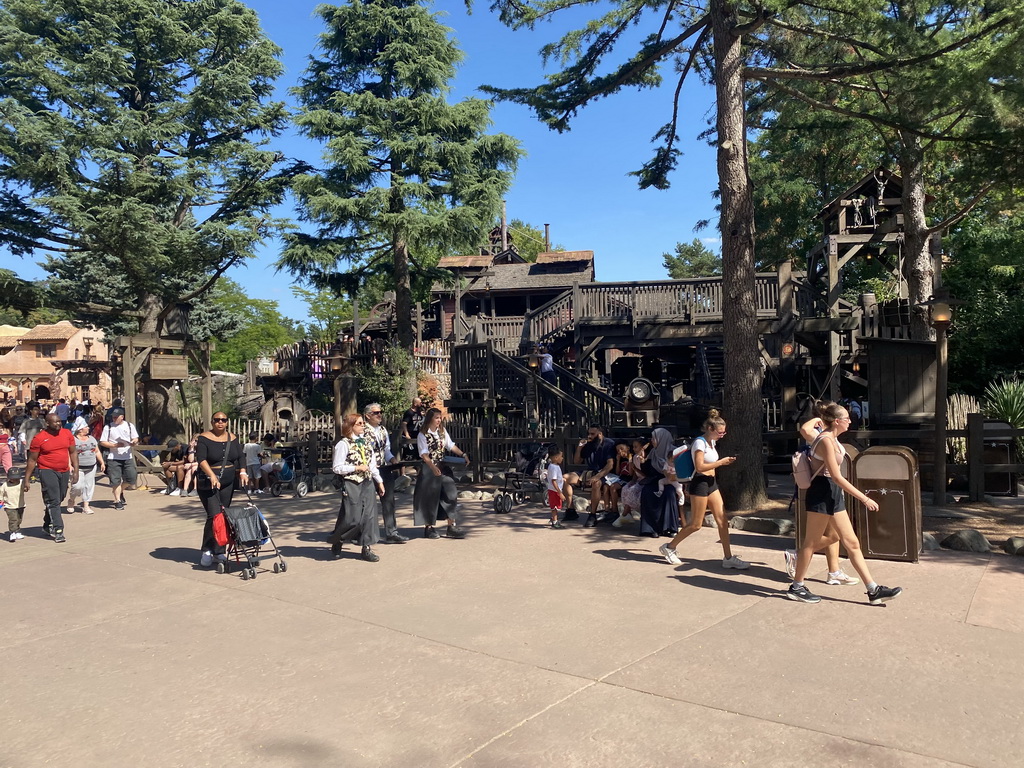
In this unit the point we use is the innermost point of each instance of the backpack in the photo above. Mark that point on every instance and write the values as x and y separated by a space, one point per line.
683 461
802 472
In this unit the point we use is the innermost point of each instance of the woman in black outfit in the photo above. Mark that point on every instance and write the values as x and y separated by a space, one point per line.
659 508
221 470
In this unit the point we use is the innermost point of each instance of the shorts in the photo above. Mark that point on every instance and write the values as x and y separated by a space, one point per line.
825 496
703 486
118 470
554 500
253 470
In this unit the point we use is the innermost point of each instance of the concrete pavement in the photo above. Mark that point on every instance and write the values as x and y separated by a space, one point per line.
518 646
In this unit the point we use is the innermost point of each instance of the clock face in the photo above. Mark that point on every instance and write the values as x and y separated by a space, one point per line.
639 391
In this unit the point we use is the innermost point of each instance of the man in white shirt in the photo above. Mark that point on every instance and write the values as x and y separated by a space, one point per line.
119 436
377 435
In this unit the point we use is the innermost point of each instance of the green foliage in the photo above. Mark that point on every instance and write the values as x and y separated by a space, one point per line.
528 239
693 259
391 384
133 146
326 313
986 272
1004 400
404 171
244 328
24 302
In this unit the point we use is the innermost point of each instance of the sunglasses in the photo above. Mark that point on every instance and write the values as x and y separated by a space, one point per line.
375 413
216 420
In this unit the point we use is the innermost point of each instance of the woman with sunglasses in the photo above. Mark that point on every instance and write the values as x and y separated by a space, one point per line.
221 471
354 463
825 502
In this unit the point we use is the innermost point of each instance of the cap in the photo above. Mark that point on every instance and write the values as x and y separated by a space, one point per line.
172 443
15 473
115 412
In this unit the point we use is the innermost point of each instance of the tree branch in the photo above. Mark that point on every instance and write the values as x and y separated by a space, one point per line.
956 218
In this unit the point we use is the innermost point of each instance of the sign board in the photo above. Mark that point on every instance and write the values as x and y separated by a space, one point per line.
265 366
83 378
168 367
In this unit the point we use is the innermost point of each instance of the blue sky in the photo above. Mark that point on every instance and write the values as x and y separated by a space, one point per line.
575 181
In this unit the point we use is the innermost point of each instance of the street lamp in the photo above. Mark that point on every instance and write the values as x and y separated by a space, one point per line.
940 313
338 359
533 362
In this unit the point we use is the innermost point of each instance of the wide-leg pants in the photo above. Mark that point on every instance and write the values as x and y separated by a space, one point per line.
435 497
357 517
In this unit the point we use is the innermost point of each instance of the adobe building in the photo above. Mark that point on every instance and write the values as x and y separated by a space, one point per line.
48 362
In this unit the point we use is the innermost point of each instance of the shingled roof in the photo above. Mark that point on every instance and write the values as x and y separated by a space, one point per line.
472 260
526 277
61 331
557 257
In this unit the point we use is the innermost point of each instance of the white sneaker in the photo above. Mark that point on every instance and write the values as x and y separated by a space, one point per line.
735 562
19 534
13 536
790 562
175 492
670 554
206 560
88 510
71 510
841 578
623 517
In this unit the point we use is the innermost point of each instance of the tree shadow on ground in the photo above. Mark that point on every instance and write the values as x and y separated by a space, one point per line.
635 555
187 555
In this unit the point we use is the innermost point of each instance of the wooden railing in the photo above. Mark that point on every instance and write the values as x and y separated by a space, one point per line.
549 320
471 367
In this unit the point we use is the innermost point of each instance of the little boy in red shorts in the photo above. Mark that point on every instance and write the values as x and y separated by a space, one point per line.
556 486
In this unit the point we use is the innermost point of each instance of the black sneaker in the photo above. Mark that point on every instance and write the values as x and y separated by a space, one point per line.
591 521
395 538
58 536
557 525
48 530
370 556
569 517
118 505
881 594
802 593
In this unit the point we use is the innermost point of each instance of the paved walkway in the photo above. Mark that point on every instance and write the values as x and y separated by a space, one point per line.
517 646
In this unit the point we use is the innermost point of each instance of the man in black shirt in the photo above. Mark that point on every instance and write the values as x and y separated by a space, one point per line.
598 452
412 420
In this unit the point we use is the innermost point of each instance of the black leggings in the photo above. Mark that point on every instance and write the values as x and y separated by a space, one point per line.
213 500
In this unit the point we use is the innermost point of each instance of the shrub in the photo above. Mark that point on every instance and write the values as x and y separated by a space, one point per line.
1004 400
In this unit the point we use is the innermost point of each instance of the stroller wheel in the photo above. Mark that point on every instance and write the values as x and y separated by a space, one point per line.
276 489
301 489
497 503
316 484
245 574
252 573
506 503
284 566
519 497
277 567
222 567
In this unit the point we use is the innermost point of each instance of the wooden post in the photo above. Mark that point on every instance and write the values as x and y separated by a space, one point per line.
832 300
478 454
128 369
976 456
419 324
941 375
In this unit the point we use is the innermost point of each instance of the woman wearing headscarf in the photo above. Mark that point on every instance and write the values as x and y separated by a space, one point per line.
659 509
705 494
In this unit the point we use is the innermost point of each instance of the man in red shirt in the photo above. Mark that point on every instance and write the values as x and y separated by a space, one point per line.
53 451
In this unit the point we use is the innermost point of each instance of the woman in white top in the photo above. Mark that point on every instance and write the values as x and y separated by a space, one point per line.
825 502
436 494
705 494
362 487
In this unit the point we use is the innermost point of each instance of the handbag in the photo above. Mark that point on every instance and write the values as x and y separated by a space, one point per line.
220 529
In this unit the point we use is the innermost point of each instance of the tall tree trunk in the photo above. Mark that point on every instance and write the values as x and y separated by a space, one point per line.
744 482
403 296
917 258
159 413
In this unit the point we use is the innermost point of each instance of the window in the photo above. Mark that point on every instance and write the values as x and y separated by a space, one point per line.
46 350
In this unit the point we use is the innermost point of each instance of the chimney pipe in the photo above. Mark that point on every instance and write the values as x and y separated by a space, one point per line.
547 238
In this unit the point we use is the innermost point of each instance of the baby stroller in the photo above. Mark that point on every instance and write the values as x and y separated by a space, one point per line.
526 474
248 535
288 475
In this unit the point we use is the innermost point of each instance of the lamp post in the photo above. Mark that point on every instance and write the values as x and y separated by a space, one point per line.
941 315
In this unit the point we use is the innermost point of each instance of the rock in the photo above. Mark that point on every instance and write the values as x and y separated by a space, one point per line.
581 505
488 477
769 525
499 477
929 543
1014 545
968 540
486 496
539 497
466 477
467 496
709 521
786 527
403 483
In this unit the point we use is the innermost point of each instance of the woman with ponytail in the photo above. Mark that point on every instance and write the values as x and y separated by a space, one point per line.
435 495
705 494
825 503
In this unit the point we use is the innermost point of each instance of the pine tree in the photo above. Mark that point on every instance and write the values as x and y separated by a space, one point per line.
132 152
404 170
